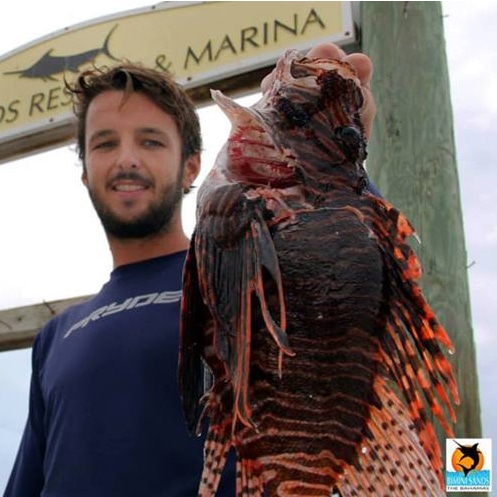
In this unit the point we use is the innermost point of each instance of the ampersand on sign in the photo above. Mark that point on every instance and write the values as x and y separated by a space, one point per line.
160 63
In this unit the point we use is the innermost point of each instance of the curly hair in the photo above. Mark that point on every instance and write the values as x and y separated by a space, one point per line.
158 86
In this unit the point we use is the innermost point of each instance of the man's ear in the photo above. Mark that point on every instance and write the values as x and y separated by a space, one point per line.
84 177
190 171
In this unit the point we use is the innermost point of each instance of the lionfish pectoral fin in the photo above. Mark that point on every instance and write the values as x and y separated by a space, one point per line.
412 338
236 257
414 334
266 258
392 460
190 364
243 341
259 254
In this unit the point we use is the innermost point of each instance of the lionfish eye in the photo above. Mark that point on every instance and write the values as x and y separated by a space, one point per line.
348 133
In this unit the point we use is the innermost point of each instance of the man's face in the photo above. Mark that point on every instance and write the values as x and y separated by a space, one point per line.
133 168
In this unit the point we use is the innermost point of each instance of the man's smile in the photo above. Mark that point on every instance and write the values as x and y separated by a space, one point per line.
129 187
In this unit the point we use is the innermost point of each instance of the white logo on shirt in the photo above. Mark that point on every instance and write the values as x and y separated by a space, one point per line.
128 304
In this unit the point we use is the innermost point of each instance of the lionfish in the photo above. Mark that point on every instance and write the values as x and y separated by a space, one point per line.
301 302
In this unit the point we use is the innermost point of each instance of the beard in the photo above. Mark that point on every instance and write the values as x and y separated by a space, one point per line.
155 220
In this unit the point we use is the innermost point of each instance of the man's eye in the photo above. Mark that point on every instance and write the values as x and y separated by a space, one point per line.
152 143
105 144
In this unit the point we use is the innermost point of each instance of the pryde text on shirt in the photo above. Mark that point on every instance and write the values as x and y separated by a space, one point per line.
166 297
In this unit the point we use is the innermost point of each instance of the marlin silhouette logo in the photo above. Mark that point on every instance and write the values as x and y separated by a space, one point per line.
470 452
49 65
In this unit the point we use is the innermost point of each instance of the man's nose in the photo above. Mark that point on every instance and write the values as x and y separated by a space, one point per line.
128 157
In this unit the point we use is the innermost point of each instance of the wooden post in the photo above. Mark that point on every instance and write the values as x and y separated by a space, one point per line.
412 160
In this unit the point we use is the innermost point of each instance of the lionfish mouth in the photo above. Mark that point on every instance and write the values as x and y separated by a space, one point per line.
253 155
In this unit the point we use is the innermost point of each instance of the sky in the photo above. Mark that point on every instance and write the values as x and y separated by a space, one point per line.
53 246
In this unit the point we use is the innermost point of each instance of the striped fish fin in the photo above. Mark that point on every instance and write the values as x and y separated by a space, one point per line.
235 259
392 460
413 338
216 448
193 336
248 479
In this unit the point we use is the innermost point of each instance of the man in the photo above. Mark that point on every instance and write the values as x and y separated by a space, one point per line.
104 416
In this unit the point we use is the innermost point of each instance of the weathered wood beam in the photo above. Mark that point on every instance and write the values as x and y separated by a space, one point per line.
19 326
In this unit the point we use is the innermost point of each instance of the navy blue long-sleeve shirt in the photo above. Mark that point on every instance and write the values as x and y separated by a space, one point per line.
104 416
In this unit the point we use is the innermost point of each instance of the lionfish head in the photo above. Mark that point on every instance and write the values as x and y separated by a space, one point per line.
306 124
313 107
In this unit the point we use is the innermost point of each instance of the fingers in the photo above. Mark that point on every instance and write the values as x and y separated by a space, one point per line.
363 66
326 51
